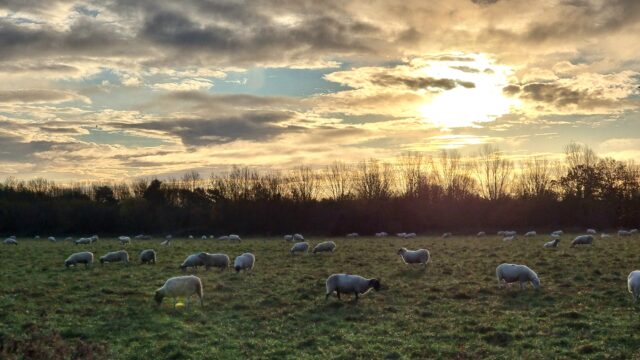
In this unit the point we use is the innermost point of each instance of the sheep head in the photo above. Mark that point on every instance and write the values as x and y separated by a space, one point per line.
158 297
375 284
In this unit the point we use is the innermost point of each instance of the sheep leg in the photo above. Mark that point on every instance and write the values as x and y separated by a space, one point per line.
355 292
523 285
327 296
338 294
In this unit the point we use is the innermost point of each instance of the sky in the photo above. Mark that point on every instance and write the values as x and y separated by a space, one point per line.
114 90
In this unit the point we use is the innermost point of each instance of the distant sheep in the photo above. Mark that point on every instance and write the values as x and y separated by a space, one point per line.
557 233
409 235
11 241
142 237
68 238
166 242
234 237
223 237
37 237
115 256
180 286
552 244
633 284
124 240
350 284
52 238
381 234
300 247
582 240
401 234
325 246
420 256
221 261
605 235
530 234
500 233
352 235
148 256
633 231
509 238
94 238
481 234
288 237
510 233
190 236
244 262
591 231
510 273
203 237
168 237
84 257
447 235
192 261
82 241
298 237
624 233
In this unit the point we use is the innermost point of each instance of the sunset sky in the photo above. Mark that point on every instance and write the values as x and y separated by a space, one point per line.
111 90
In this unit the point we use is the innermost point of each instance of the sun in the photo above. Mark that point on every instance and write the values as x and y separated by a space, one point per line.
468 107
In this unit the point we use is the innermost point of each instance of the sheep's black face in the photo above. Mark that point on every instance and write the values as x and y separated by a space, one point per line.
375 284
400 251
238 268
158 298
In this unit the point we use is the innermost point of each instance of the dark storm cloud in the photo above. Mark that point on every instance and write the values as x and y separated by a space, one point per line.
416 83
15 149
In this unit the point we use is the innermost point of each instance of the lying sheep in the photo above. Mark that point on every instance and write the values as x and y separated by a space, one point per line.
166 242
633 284
298 237
420 256
510 273
510 233
84 257
288 238
509 238
352 235
530 234
115 256
481 234
180 286
325 246
350 284
300 247
591 231
124 240
552 244
447 235
193 261
409 235
148 256
234 237
11 241
582 240
624 233
221 261
244 262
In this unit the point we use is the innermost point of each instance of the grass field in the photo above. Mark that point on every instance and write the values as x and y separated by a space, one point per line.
454 309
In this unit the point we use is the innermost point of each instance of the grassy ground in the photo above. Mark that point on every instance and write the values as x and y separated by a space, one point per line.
452 310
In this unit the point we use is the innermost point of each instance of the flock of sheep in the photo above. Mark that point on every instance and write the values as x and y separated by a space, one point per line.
187 286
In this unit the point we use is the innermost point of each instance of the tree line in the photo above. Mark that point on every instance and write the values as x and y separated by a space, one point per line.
414 193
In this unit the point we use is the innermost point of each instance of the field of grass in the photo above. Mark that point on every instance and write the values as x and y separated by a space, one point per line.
454 309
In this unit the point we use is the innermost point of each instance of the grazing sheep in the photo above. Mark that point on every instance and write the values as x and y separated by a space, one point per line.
180 286
605 235
381 234
11 241
166 242
530 234
94 238
203 237
234 237
143 237
221 261
410 235
633 231
582 240
552 244
557 233
190 236
509 238
244 261
401 234
350 284
420 256
83 241
591 231
510 273
51 238
288 237
223 237
481 234
325 246
193 261
115 256
37 237
510 233
84 257
124 240
148 256
447 235
301 247
624 233
633 284
352 235
298 237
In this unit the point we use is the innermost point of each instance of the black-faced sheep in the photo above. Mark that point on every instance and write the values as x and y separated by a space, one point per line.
180 286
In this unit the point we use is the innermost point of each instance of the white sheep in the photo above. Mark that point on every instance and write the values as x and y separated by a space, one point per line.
420 256
633 284
84 257
552 244
223 237
352 235
591 231
115 256
52 238
510 233
605 235
510 273
221 261
166 242
288 237
582 240
624 233
557 233
193 261
409 235
447 235
211 237
124 240
37 237
325 246
244 262
11 241
381 234
509 238
481 234
68 238
190 236
350 284
234 237
298 237
300 247
500 233
168 237
633 231
94 238
203 237
180 286
148 256
83 241
530 234
401 234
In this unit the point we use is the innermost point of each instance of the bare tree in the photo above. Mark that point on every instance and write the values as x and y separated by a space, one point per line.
138 187
493 172
454 174
338 180
303 184
413 173
536 178
190 180
373 180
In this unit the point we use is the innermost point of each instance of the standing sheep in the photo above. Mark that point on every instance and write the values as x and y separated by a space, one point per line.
447 235
509 238
223 237
94 239
481 234
298 237
124 240
115 256
552 244
244 262
633 284
84 257
288 237
591 231
52 238
420 256
510 273
582 240
180 286
325 246
83 241
166 242
193 261
530 234
148 256
11 241
381 234
624 233
350 284
352 235
300 247
221 261
235 237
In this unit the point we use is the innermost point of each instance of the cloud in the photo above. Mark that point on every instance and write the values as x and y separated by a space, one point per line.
416 83
40 96
184 85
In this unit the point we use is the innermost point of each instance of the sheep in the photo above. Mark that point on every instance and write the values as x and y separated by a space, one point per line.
352 235
190 236
84 257
633 284
211 237
115 256
244 261
11 241
37 237
325 246
301 247
234 237
288 237
52 238
193 261
381 234
633 231
509 238
481 234
552 244
148 256
582 240
166 242
68 238
168 237
500 233
605 235
298 237
221 261
82 241
345 283
591 231
447 235
510 233
124 240
180 286
94 238
420 256
557 233
401 234
203 237
624 233
530 234
223 237
510 273
409 235
143 237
